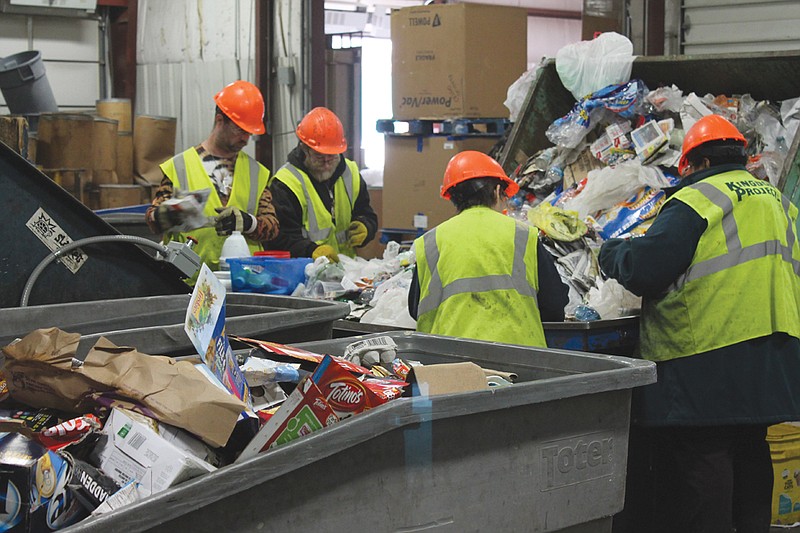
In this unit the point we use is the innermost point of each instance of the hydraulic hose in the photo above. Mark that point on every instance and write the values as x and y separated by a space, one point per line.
26 292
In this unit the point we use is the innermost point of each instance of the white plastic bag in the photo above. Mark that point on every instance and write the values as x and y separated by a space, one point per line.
612 300
587 66
390 303
518 91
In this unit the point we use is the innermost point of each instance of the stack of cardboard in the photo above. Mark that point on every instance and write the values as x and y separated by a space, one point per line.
449 62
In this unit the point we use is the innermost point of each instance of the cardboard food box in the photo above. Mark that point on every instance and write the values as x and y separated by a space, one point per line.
133 451
447 378
303 412
412 177
456 60
34 481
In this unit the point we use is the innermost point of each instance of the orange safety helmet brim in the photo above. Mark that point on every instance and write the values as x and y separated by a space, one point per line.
469 165
706 129
322 131
241 101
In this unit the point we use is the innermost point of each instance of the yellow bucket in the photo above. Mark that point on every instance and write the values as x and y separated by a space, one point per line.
784 447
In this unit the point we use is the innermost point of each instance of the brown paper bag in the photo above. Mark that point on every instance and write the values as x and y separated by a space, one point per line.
41 373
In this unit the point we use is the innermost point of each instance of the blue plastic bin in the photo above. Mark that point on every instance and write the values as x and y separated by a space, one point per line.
267 275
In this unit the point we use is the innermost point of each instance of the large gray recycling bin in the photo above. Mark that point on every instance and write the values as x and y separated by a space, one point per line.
614 336
546 454
154 324
771 76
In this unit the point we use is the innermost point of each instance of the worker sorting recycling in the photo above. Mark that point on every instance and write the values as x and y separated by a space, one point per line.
481 274
719 273
234 185
400 266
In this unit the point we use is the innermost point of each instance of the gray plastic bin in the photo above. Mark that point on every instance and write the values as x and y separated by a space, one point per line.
546 454
615 336
154 324
24 84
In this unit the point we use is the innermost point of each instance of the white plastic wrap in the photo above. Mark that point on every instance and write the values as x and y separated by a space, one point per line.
586 66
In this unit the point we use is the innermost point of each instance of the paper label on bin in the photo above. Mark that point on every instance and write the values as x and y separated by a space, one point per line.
50 233
205 326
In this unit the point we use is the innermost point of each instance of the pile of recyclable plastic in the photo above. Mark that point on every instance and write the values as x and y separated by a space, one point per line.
613 159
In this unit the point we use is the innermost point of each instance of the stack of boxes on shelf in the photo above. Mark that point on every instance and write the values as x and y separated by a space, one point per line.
103 158
452 65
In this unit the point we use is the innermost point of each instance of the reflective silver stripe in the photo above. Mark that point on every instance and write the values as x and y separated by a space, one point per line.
180 172
434 297
252 203
313 232
341 237
517 281
790 236
736 254
718 198
347 177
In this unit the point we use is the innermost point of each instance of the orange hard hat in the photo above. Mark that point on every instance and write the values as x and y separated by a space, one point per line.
241 101
470 164
322 131
708 128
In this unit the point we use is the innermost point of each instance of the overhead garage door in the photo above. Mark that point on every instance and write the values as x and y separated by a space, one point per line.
723 26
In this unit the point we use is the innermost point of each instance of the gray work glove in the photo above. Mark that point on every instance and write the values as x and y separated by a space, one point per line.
232 219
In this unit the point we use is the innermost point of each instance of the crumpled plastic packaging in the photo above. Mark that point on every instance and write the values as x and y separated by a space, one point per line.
390 303
518 91
557 223
586 66
606 187
626 100
666 99
612 300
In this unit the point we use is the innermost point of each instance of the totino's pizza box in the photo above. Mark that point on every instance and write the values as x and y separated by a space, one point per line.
131 450
304 411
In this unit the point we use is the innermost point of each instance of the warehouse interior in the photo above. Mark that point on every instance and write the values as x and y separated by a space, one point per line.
475 428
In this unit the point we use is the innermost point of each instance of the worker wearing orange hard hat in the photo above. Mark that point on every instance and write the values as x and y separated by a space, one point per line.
719 276
481 274
321 199
238 196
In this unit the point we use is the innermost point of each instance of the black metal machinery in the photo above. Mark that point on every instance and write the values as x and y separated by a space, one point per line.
37 217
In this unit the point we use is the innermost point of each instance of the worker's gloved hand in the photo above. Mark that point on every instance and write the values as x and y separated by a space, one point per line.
326 250
356 233
232 219
167 217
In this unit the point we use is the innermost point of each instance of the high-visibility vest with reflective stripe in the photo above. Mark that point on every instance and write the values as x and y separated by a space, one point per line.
743 280
318 223
478 279
187 173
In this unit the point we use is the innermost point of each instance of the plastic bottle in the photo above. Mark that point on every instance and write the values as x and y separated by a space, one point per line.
234 246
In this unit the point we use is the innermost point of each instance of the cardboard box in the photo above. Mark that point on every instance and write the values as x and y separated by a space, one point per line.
34 482
75 181
412 177
447 378
133 451
456 60
304 412
106 196
375 247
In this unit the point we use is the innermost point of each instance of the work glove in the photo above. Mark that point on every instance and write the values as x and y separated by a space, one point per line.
232 219
167 217
356 233
326 250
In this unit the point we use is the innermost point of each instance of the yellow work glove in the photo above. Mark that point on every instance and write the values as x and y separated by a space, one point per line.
326 250
356 233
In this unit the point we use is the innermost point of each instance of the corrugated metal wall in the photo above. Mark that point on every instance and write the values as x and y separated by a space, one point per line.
724 26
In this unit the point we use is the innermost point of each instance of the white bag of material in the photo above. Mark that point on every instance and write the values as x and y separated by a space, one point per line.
612 300
587 66
518 91
390 303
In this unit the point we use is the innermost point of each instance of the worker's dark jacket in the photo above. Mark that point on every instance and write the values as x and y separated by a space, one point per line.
290 212
751 382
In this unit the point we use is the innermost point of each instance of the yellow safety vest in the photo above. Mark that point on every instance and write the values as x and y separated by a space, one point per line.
743 280
478 278
318 223
187 173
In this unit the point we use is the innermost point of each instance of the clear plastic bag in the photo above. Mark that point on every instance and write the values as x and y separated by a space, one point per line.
518 91
587 66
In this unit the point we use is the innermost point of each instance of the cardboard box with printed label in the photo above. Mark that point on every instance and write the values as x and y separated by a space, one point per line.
134 451
412 177
456 60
